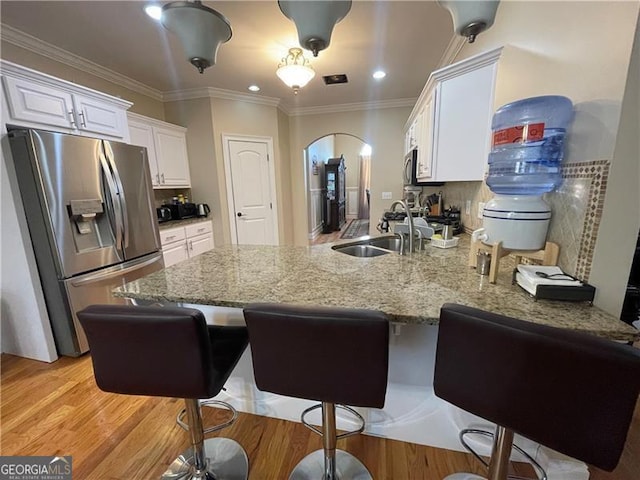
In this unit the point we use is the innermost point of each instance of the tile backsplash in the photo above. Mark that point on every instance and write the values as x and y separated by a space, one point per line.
162 196
576 211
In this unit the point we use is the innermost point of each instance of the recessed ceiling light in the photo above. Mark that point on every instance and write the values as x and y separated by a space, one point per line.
154 11
378 75
254 88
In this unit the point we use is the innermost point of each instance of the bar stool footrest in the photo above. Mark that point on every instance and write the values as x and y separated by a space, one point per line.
542 474
206 403
343 407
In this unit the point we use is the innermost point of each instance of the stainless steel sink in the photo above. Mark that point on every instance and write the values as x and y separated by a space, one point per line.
360 250
370 246
387 242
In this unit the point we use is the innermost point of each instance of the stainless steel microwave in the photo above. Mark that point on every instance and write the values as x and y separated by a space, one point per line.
410 169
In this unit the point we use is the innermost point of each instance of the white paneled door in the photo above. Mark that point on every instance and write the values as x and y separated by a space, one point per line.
251 181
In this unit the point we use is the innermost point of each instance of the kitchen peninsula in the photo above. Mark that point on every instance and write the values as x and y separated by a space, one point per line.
410 289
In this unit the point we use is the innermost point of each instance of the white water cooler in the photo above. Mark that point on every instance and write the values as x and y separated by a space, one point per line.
519 222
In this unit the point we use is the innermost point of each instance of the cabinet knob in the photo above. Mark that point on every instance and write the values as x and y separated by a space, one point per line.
239 214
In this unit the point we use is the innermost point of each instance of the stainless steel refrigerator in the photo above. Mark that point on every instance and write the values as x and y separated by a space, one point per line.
91 221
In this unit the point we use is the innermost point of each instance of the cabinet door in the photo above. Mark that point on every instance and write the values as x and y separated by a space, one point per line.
142 135
200 244
32 102
464 105
171 152
94 116
174 253
424 168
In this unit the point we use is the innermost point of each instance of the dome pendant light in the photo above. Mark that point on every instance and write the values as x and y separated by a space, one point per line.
315 20
471 17
294 70
200 29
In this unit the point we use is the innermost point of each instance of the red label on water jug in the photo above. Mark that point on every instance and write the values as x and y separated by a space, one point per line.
519 134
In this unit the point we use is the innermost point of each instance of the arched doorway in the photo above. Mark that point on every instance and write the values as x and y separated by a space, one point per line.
357 160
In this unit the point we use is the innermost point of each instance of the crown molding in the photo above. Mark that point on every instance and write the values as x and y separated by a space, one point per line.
451 52
212 92
24 40
350 107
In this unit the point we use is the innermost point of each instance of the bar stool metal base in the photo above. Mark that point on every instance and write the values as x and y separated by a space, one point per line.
312 467
226 460
464 476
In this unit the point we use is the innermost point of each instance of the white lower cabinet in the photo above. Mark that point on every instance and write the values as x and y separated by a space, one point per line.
181 243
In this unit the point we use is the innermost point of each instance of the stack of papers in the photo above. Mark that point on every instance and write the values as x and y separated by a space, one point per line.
528 278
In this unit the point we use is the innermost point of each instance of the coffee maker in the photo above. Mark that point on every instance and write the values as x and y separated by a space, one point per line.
411 195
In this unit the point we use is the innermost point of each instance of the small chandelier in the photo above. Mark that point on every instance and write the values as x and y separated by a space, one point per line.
315 20
200 29
294 70
471 17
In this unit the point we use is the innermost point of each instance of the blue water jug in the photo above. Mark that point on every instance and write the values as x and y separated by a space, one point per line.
528 145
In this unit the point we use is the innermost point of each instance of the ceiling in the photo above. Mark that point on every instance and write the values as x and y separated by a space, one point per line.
405 38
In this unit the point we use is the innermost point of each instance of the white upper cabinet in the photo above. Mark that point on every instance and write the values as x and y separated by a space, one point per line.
424 169
454 111
166 148
38 100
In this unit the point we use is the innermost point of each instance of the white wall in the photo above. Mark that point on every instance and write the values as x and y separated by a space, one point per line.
381 128
620 223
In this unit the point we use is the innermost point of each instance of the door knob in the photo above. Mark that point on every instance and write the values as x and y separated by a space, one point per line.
239 214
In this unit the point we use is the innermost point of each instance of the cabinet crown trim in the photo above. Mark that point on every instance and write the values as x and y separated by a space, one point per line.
135 117
14 70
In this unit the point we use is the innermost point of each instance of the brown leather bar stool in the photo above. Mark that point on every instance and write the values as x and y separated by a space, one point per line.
570 391
330 355
171 352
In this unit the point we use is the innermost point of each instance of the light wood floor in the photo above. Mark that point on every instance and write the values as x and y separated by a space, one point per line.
327 237
56 409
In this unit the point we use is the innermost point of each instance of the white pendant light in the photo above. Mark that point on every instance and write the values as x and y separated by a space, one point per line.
294 70
470 17
315 20
200 29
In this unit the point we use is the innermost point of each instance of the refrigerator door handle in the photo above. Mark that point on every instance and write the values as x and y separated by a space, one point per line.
114 197
122 201
115 273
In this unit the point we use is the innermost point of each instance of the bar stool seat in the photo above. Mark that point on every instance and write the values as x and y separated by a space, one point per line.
171 352
336 356
570 391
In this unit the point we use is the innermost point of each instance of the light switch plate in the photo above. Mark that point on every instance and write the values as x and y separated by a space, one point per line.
480 209
387 195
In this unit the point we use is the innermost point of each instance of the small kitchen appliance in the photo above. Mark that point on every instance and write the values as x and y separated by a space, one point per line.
163 214
181 211
203 210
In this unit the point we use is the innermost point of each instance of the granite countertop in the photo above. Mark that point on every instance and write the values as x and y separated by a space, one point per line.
181 223
410 289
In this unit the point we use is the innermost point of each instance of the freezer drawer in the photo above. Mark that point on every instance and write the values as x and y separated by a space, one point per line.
95 288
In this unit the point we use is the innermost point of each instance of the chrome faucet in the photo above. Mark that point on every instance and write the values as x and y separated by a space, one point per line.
404 205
